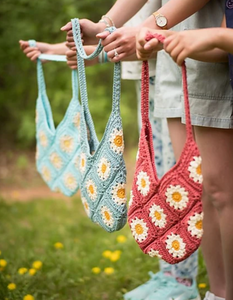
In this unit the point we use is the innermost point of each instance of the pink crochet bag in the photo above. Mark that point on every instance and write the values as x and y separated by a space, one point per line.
165 216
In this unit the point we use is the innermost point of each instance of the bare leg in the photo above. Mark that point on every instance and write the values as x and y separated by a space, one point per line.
211 244
216 147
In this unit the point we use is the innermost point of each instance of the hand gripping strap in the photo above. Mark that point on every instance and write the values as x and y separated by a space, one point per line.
145 91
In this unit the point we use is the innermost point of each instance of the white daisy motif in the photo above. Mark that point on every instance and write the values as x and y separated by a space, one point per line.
157 215
195 169
37 153
76 162
177 197
104 168
175 245
139 229
76 120
143 183
43 139
131 198
117 141
82 162
67 143
154 253
56 160
91 189
137 155
107 216
195 225
118 193
70 181
46 174
86 205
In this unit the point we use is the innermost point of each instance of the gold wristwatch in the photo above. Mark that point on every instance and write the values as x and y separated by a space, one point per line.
160 20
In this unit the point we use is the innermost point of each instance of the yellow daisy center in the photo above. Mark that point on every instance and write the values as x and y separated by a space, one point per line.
86 205
158 215
139 229
91 189
143 182
107 215
121 193
103 168
67 143
198 170
176 245
118 140
198 225
70 180
83 162
176 196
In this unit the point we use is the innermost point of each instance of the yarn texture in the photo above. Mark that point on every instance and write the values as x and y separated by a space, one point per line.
165 215
57 148
101 163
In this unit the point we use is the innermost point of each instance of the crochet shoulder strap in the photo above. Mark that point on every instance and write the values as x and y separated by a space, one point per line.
81 55
145 92
41 80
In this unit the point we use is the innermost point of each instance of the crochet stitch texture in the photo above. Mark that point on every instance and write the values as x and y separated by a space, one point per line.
101 164
165 216
57 148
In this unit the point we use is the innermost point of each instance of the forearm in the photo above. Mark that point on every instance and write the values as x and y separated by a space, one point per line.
215 55
59 48
175 11
120 13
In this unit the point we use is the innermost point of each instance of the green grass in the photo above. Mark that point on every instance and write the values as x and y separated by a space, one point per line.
28 232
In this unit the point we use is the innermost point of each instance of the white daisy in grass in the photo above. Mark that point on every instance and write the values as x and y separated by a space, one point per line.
195 225
56 160
143 183
43 139
118 193
70 181
67 143
177 197
139 229
91 189
82 162
107 216
46 174
76 119
86 206
117 141
175 245
195 169
131 198
154 253
104 168
157 215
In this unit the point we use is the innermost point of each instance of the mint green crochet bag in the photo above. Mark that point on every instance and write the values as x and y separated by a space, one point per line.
101 164
58 148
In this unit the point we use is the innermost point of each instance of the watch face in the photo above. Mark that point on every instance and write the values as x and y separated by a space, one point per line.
161 21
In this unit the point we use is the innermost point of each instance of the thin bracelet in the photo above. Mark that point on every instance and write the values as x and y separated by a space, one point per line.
110 19
103 57
105 22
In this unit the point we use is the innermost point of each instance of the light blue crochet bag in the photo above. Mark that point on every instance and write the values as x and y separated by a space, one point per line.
102 167
58 148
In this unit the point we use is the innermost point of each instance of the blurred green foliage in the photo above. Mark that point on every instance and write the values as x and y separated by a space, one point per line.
41 20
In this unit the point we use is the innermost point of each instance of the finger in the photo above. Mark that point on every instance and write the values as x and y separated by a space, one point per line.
66 27
152 44
69 33
102 35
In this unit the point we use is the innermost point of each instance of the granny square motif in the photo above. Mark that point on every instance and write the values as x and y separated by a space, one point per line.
58 148
101 164
165 216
